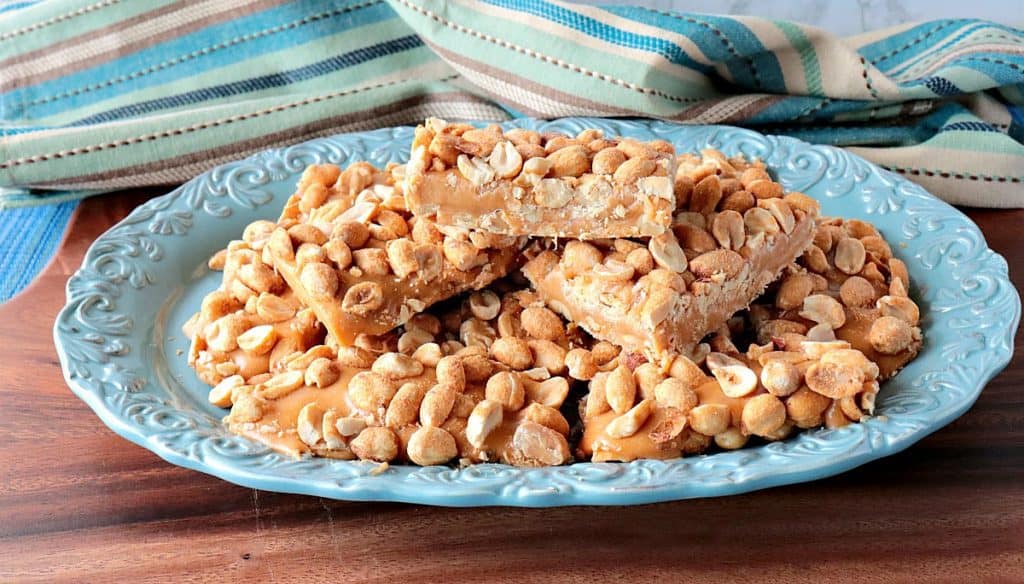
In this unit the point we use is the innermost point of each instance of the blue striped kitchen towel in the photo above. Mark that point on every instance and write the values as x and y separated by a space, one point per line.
98 95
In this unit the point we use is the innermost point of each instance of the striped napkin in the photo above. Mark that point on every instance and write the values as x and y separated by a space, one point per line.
97 95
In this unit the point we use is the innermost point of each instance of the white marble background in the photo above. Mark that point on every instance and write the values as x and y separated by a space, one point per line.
848 17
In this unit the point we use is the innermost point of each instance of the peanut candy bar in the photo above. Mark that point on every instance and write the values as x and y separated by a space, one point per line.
735 231
521 182
847 286
480 382
352 253
648 410
252 321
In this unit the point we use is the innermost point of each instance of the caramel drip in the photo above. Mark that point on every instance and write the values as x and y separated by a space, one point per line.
596 442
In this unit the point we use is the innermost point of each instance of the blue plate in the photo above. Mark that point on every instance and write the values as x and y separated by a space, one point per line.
122 351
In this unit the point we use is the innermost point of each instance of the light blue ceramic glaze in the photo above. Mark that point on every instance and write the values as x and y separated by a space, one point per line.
122 351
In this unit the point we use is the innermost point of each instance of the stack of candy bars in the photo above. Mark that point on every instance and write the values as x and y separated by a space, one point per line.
537 299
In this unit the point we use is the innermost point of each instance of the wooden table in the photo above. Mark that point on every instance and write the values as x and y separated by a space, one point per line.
80 504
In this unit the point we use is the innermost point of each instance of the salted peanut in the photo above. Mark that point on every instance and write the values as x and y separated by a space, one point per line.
258 277
731 439
608 160
634 169
430 354
647 376
764 189
890 335
486 416
541 323
505 160
221 394
667 253
613 270
815 260
274 308
900 307
631 421
451 371
817 350
640 260
258 340
548 355
852 358
603 352
370 391
579 257
570 161
675 393
375 443
834 380
322 372
706 195
429 446
537 374
824 309
436 405
404 407
246 407
793 290
356 357
478 368
302 361
762 415
512 351
850 255
506 388
537 445
476 333
738 201
693 237
620 389
308 425
780 378
222 334
332 438
735 380
280 385
781 212
484 305
596 401
546 416
686 370
802 202
670 426
412 339
806 407
320 280
857 292
550 392
581 364
397 366
349 426
821 332
728 230
217 304
720 261
758 220
709 419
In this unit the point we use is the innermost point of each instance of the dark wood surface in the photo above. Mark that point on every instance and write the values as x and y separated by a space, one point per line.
80 504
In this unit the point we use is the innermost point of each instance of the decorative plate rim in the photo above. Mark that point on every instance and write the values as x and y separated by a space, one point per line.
968 336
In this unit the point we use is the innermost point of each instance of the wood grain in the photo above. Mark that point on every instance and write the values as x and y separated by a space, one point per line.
80 504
